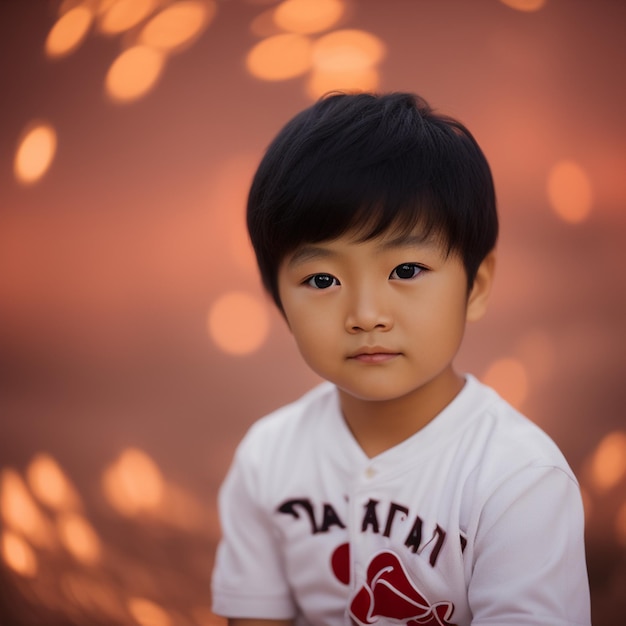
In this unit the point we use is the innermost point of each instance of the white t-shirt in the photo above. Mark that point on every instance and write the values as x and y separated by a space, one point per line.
475 519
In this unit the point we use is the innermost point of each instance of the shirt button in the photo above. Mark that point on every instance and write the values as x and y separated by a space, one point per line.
370 472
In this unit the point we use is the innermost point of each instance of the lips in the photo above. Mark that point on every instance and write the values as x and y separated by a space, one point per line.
373 354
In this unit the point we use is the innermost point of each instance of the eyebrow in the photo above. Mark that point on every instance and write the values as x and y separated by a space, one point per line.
311 252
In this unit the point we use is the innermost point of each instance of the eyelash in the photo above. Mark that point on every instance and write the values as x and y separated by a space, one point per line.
331 280
310 281
417 270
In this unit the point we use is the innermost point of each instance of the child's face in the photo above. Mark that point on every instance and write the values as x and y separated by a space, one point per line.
380 318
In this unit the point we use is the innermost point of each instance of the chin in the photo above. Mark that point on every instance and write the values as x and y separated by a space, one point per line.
373 394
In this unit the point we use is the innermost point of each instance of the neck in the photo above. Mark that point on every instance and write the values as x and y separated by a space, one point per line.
382 424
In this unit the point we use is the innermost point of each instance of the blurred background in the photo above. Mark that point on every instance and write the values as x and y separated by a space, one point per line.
136 345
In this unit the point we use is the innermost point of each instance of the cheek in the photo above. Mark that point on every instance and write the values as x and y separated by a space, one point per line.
315 352
313 333
441 325
452 325
306 324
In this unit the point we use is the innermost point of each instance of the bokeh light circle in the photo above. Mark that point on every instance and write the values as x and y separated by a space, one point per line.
321 82
308 16
50 485
569 192
263 25
608 465
35 153
148 613
134 483
134 73
69 32
79 538
18 555
280 57
121 15
178 24
347 51
238 323
527 6
20 512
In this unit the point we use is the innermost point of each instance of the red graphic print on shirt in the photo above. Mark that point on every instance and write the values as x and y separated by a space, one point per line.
340 562
389 592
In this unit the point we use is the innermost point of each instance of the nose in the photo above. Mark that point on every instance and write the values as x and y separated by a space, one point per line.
367 310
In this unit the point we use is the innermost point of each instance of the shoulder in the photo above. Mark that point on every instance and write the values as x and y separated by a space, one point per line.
508 456
286 428
512 437
518 477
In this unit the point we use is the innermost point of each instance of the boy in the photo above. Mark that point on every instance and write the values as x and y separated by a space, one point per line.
399 491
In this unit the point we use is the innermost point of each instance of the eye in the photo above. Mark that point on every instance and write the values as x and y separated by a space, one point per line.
406 271
321 281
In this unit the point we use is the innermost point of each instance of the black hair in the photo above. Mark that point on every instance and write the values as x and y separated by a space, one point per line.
371 163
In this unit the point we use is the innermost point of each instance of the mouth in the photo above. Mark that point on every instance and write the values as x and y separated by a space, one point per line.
373 354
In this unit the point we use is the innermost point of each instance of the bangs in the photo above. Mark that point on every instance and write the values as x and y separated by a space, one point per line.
396 195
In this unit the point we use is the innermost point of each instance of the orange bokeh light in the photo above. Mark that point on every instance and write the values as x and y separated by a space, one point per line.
18 555
569 192
280 57
20 512
238 323
79 538
181 509
525 5
133 483
35 153
347 51
509 378
134 73
121 15
69 32
178 25
308 16
50 485
608 464
148 613
321 82
263 25
102 6
95 597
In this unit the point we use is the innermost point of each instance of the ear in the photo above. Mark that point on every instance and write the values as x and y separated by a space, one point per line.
479 294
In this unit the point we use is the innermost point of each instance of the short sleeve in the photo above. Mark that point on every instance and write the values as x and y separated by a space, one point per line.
248 578
529 557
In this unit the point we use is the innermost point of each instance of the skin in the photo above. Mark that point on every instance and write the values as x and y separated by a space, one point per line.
382 320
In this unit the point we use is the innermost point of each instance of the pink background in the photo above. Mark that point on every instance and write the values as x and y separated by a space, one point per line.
113 261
